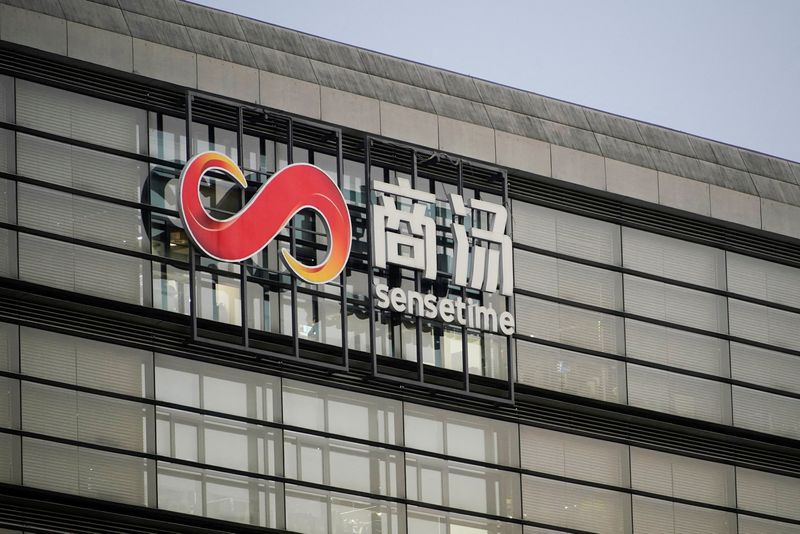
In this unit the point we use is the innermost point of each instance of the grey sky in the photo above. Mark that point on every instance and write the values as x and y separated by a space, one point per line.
726 69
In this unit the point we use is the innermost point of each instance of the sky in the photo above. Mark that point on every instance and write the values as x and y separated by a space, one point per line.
727 70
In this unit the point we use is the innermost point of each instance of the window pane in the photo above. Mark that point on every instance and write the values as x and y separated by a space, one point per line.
220 298
461 435
655 516
91 418
218 495
756 525
677 394
9 402
167 137
575 326
6 99
86 472
10 459
7 151
681 477
567 280
764 324
85 362
571 372
766 412
319 319
677 348
344 465
673 258
765 367
217 388
567 455
84 270
467 487
80 168
171 288
574 506
763 280
768 493
674 304
9 347
312 511
566 233
425 521
81 117
342 412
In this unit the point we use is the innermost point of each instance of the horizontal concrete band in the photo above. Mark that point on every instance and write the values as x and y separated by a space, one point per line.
222 53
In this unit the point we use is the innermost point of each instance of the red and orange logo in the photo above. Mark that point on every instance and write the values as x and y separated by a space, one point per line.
242 235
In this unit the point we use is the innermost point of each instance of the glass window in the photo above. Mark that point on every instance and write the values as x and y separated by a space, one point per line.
74 415
756 525
85 362
574 506
81 117
314 511
6 99
574 326
571 456
657 516
677 348
171 288
9 402
84 270
319 319
218 389
87 472
461 435
674 304
9 347
678 394
766 412
81 218
768 493
467 487
566 233
765 367
673 258
425 521
219 298
7 151
81 169
567 280
219 495
764 324
763 280
344 465
167 137
683 478
571 372
342 412
10 459
219 442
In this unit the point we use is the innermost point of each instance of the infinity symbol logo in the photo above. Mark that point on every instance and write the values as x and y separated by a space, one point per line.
242 235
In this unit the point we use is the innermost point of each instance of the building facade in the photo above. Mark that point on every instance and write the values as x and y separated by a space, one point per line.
649 383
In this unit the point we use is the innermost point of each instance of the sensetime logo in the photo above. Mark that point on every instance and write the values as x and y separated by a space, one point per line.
244 234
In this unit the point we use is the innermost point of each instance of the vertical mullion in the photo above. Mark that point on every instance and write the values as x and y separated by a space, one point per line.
293 247
192 252
370 257
242 266
510 346
343 274
464 344
418 284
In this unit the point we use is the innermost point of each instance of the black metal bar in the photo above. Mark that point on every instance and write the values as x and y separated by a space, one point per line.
510 305
370 255
464 333
293 248
343 275
418 287
242 266
192 251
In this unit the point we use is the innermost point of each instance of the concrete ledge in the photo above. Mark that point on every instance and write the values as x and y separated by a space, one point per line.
683 194
165 63
16 25
410 125
578 167
100 46
780 218
228 79
631 180
290 94
735 207
466 139
348 109
518 152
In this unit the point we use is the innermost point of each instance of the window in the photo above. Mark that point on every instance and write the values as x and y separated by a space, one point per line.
566 233
763 280
766 412
673 258
313 511
571 372
426 521
768 493
574 506
677 394
764 324
574 326
653 515
342 412
567 455
765 367
683 478
10 459
756 525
